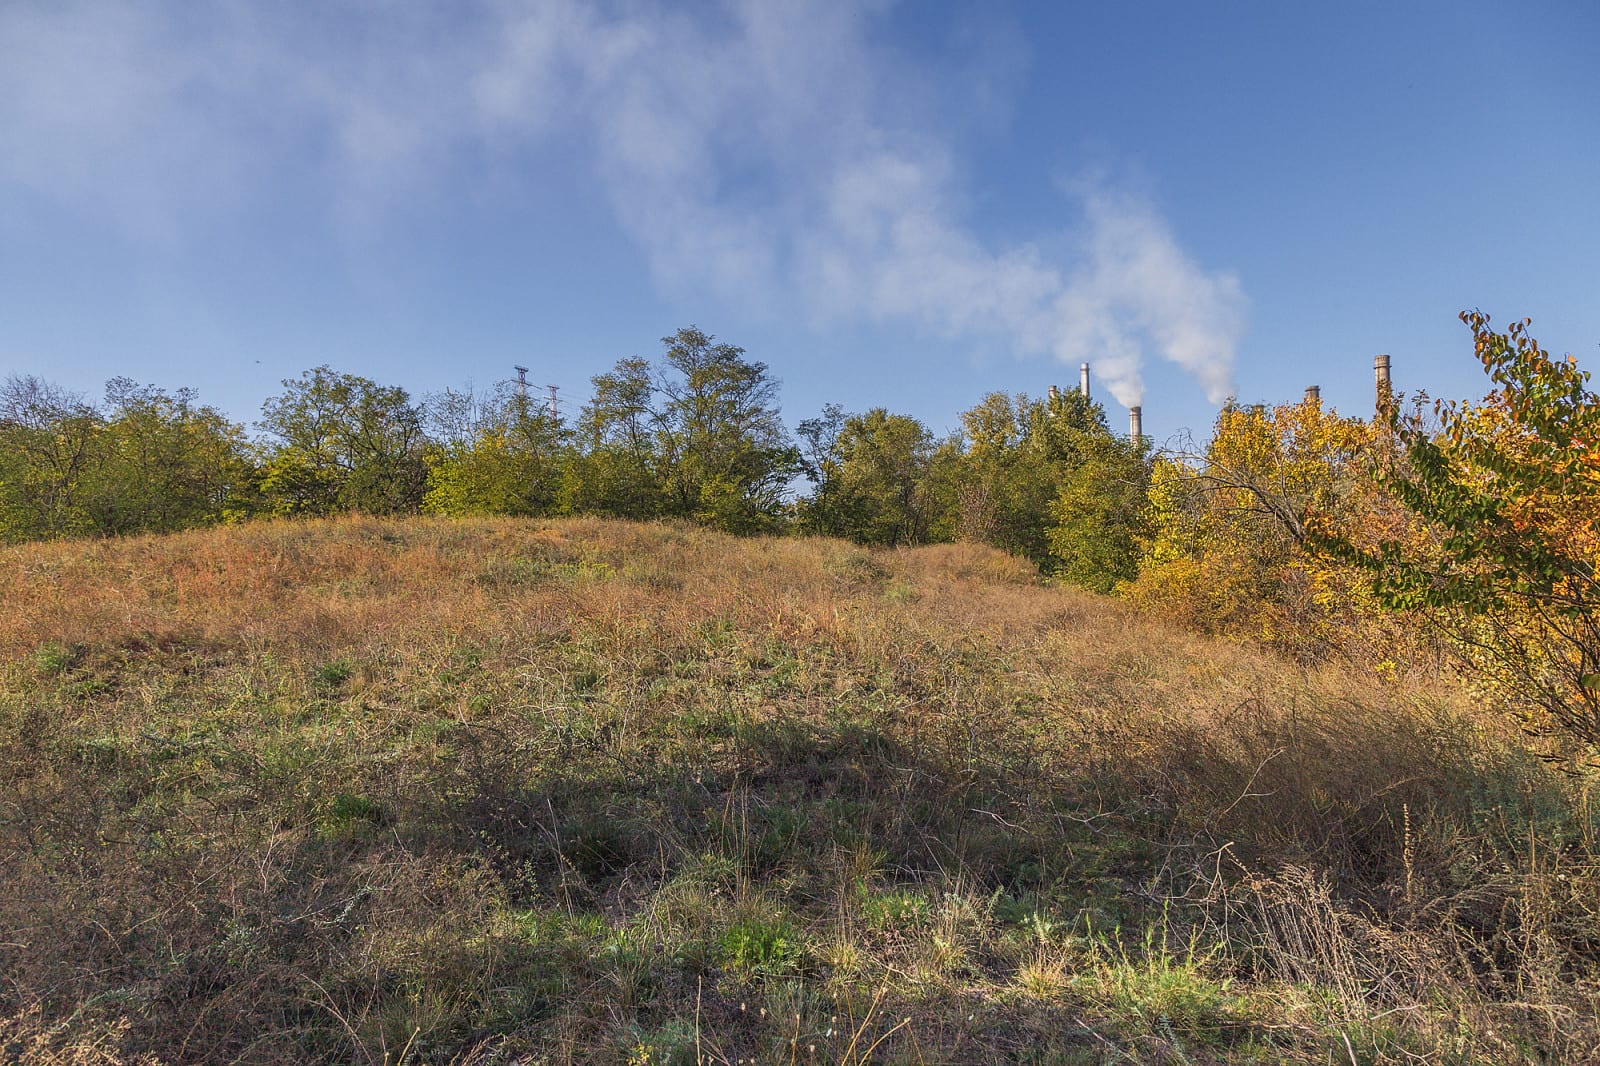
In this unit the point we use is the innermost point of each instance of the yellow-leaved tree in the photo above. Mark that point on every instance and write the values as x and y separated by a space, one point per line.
1226 548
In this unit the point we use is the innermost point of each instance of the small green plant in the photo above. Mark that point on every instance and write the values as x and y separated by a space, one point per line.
466 663
856 567
892 908
102 752
331 676
528 572
763 948
598 846
1044 976
774 835
652 574
349 810
88 688
53 659
901 592
672 1044
1170 991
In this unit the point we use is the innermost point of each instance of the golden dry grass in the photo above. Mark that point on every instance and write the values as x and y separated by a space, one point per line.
498 790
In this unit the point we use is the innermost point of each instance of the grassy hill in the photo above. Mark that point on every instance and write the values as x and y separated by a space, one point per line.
498 791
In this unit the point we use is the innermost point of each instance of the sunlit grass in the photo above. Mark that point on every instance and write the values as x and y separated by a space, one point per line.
589 791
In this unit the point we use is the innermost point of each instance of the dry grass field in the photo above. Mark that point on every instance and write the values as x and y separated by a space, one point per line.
524 792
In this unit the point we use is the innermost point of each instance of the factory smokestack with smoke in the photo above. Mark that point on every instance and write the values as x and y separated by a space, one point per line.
1135 411
1313 395
1137 295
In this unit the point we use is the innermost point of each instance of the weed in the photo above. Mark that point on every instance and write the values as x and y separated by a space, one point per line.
331 676
671 1044
893 908
901 592
53 659
762 948
346 809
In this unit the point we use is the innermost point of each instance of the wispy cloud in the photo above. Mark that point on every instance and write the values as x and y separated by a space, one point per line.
1136 290
780 155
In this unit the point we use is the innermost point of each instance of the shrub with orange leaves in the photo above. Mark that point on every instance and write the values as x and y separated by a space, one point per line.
1509 492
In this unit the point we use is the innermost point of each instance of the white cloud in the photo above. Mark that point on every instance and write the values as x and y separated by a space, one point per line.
776 154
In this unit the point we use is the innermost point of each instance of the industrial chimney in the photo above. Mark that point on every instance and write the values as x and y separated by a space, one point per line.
1083 380
1380 372
1314 394
1136 423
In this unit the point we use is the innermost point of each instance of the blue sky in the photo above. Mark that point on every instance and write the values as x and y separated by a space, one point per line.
906 205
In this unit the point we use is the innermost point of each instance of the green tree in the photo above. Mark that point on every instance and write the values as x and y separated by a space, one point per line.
1062 425
1002 494
166 463
1099 512
151 461
870 474
343 443
48 450
724 457
494 454
616 468
1019 453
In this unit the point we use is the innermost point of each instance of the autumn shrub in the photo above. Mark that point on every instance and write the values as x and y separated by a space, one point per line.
1504 496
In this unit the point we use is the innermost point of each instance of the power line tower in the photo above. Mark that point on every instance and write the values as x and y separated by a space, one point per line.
522 381
554 407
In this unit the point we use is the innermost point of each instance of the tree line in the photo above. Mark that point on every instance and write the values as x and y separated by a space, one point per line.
1471 529
695 435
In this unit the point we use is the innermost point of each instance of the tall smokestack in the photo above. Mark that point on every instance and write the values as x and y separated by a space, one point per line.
1314 394
1136 423
1380 372
1083 380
